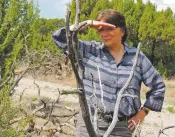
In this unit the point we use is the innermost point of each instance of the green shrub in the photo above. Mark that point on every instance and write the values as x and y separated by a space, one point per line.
171 109
8 133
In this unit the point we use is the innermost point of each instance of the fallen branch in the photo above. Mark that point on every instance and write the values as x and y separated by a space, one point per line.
24 117
71 91
68 125
162 130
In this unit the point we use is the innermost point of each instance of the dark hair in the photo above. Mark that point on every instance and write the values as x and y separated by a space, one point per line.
114 17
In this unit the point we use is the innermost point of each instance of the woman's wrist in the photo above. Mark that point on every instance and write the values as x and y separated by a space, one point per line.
145 110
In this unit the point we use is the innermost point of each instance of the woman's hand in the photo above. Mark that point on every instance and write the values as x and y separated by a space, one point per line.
97 24
135 120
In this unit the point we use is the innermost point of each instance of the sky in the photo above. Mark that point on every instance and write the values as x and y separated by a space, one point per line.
57 8
53 8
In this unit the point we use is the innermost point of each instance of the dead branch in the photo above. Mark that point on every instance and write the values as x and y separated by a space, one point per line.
61 106
65 133
57 100
20 99
137 130
17 81
23 117
68 125
50 114
72 91
119 97
65 115
101 89
46 129
162 130
95 123
76 63
25 71
39 92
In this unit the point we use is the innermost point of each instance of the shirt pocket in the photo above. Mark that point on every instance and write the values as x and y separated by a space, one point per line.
97 69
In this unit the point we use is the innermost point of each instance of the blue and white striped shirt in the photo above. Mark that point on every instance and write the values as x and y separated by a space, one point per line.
96 56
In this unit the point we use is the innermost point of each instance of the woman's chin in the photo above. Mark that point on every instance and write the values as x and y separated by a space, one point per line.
107 44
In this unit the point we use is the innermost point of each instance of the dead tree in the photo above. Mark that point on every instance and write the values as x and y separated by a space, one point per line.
77 65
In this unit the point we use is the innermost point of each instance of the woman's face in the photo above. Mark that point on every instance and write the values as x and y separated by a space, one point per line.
111 36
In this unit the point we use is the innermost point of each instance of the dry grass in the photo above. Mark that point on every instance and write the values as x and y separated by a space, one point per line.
150 127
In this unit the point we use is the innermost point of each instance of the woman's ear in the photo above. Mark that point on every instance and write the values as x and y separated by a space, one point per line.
123 31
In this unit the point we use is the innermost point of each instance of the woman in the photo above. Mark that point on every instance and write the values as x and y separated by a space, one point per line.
112 60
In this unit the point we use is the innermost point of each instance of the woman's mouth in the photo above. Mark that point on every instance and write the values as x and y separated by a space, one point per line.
105 40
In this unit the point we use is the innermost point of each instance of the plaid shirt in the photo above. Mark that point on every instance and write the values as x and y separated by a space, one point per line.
98 60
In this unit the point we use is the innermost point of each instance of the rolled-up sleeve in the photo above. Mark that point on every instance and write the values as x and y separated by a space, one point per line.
59 38
152 79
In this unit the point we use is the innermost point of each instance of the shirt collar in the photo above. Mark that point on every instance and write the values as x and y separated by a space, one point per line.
127 48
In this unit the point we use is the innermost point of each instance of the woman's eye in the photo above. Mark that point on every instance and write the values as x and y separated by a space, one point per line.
101 29
106 29
109 29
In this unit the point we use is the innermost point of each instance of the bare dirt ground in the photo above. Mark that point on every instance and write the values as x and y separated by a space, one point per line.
149 128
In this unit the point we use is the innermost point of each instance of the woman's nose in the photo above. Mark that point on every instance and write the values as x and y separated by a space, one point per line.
104 33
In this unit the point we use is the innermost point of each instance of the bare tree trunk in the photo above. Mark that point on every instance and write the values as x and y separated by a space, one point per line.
76 63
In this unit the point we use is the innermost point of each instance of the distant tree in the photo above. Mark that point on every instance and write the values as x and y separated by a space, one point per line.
155 29
157 33
86 7
133 21
164 33
99 6
41 31
145 30
118 5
